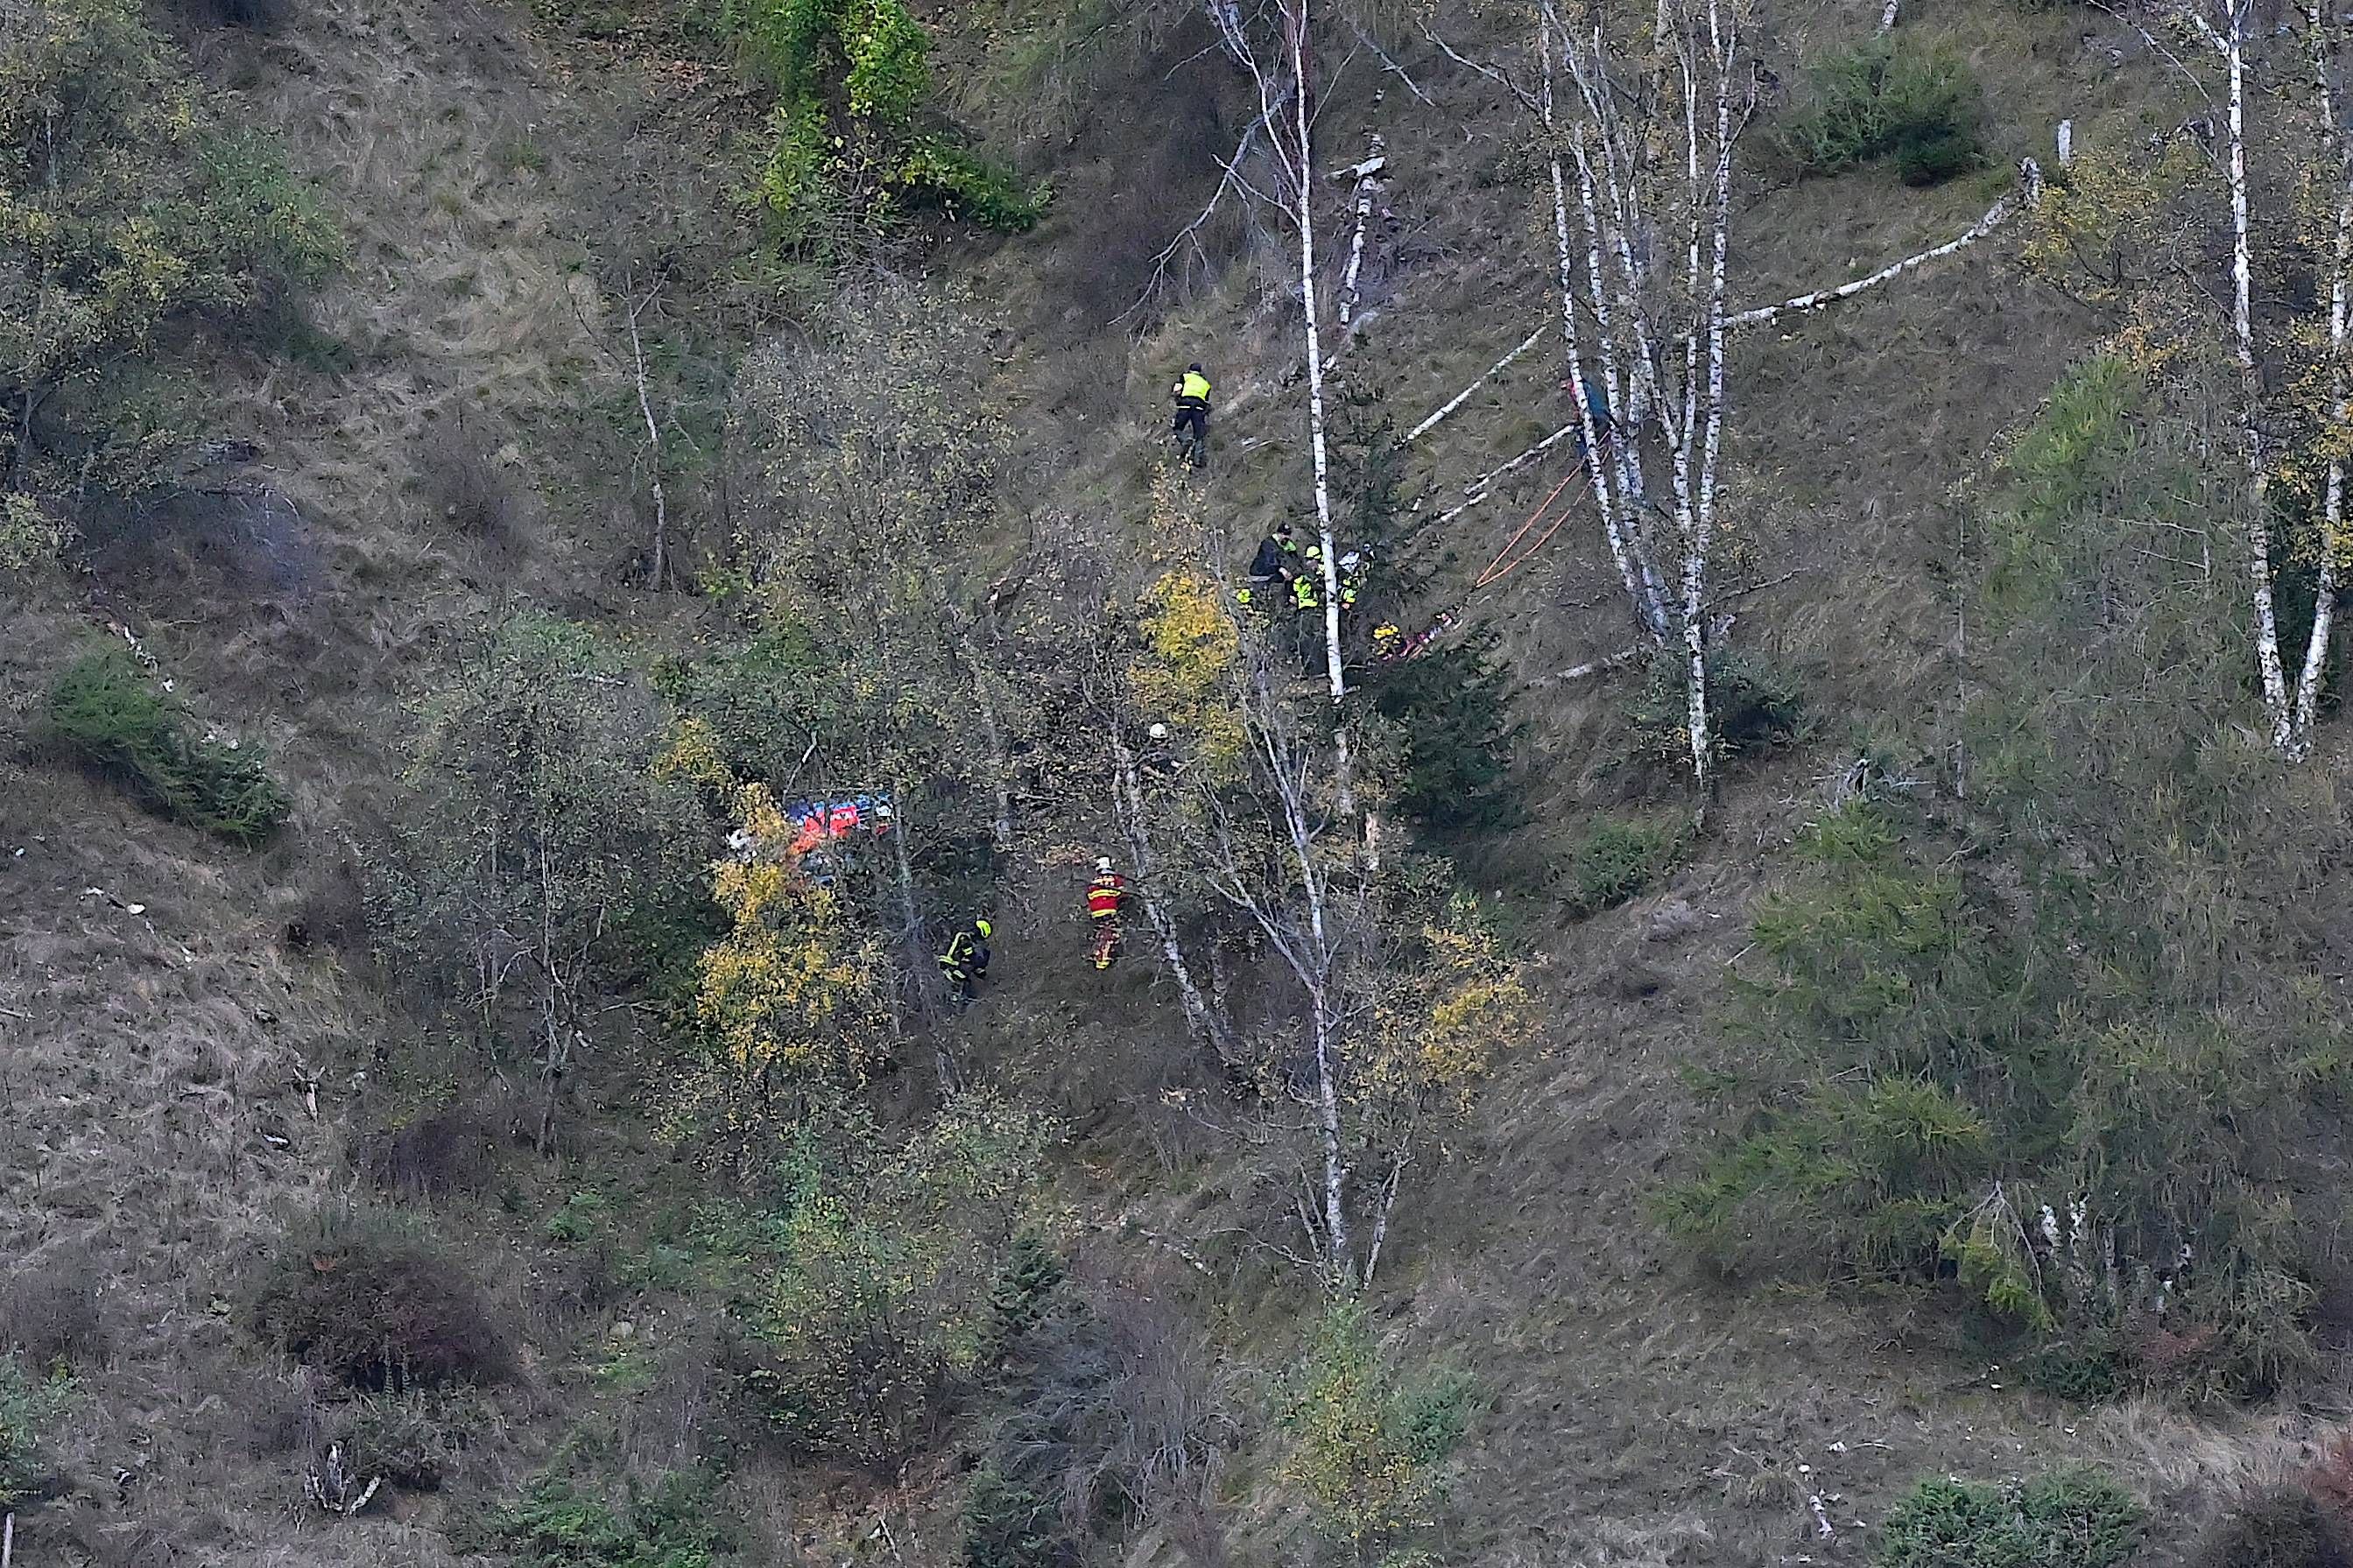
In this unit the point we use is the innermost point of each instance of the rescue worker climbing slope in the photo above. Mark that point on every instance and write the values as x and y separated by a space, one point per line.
1192 424
1105 893
965 960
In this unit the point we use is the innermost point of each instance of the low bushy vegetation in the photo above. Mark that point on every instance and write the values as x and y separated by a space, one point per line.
2072 1518
381 1308
1369 1442
852 147
50 1313
2079 1085
111 715
416 1440
2282 1525
135 205
1617 860
1754 705
881 1281
258 14
1116 1416
564 1520
1010 1523
1917 106
29 1401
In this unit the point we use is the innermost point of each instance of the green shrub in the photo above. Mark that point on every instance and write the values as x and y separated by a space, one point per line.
2071 1519
1616 860
2108 1062
381 1308
1008 1524
133 206
1916 1077
846 157
1890 98
111 714
1368 1447
1752 704
2086 1370
1031 1270
413 1440
584 1217
1452 708
884 1277
560 1523
28 1404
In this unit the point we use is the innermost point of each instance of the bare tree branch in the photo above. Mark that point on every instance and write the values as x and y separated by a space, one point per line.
1464 396
659 570
1190 234
2016 202
1391 66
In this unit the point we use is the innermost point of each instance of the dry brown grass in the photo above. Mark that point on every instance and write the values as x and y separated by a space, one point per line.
1645 1416
49 1311
151 1062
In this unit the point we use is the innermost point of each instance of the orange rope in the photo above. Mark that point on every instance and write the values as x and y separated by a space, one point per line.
1505 562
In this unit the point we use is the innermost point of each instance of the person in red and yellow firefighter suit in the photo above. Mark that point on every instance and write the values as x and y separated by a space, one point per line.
1105 893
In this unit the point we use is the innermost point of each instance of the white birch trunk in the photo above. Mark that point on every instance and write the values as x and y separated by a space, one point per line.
659 572
1615 487
1127 801
1316 975
2323 35
1368 172
1319 451
1996 215
2231 41
1723 46
1459 398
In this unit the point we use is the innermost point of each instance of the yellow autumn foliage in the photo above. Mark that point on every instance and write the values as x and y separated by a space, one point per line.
790 1000
1192 651
695 756
1438 1030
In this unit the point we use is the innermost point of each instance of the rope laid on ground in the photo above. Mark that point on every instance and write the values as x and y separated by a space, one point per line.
1505 561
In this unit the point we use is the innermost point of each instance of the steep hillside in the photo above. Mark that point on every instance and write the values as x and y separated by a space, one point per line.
699 1224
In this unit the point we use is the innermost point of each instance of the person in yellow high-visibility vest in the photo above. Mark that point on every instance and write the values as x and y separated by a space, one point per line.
964 964
1192 425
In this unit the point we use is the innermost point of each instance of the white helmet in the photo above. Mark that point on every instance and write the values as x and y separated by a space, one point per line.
1102 862
1159 731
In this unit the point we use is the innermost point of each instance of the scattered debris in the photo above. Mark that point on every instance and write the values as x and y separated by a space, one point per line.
306 1078
127 907
330 1487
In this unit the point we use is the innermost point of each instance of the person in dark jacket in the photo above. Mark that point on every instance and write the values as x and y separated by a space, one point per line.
1277 559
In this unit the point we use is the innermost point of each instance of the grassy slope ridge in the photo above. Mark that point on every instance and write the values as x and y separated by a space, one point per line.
1642 1417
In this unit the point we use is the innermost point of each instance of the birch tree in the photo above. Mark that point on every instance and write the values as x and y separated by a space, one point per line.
1274 44
1640 113
2198 241
1382 1014
2227 28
